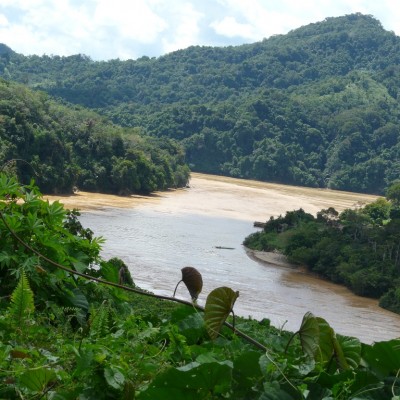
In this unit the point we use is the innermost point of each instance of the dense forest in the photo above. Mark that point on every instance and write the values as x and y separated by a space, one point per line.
359 248
318 106
72 326
68 147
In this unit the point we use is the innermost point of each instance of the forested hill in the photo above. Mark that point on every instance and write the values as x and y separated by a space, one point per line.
316 107
65 147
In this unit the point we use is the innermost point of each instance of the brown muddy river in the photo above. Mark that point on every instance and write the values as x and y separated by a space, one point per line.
157 236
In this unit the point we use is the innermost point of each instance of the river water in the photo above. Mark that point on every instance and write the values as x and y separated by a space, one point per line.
159 235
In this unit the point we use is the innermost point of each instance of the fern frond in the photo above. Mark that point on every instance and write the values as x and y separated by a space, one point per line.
22 300
99 324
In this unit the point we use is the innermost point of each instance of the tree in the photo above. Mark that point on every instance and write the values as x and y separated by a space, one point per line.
124 176
378 210
393 194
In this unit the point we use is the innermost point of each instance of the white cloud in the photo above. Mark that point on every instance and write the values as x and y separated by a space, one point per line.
22 4
259 19
3 20
105 29
184 31
229 27
269 17
132 20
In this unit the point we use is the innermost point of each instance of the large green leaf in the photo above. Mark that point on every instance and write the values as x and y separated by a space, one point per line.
247 371
219 304
339 354
367 385
194 381
383 357
351 350
37 379
325 349
316 338
79 265
84 359
309 334
317 392
66 395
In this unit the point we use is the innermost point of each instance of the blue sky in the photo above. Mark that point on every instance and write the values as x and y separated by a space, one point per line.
110 29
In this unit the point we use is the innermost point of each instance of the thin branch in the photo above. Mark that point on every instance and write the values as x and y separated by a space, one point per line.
176 287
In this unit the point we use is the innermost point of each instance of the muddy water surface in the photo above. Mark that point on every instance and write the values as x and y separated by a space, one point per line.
158 235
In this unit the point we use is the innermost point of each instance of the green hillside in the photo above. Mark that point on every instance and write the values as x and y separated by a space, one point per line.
316 107
66 147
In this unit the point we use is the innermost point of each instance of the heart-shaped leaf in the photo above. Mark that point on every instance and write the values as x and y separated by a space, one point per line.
193 280
309 334
219 304
326 335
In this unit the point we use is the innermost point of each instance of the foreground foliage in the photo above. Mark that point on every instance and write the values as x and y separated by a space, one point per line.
63 336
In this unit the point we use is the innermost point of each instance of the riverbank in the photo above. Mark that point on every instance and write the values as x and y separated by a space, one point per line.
269 257
230 198
85 201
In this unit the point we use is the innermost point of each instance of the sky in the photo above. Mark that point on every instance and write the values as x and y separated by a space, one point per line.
130 29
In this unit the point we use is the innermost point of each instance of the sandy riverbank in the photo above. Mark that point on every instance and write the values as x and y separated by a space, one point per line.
234 198
91 201
270 258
